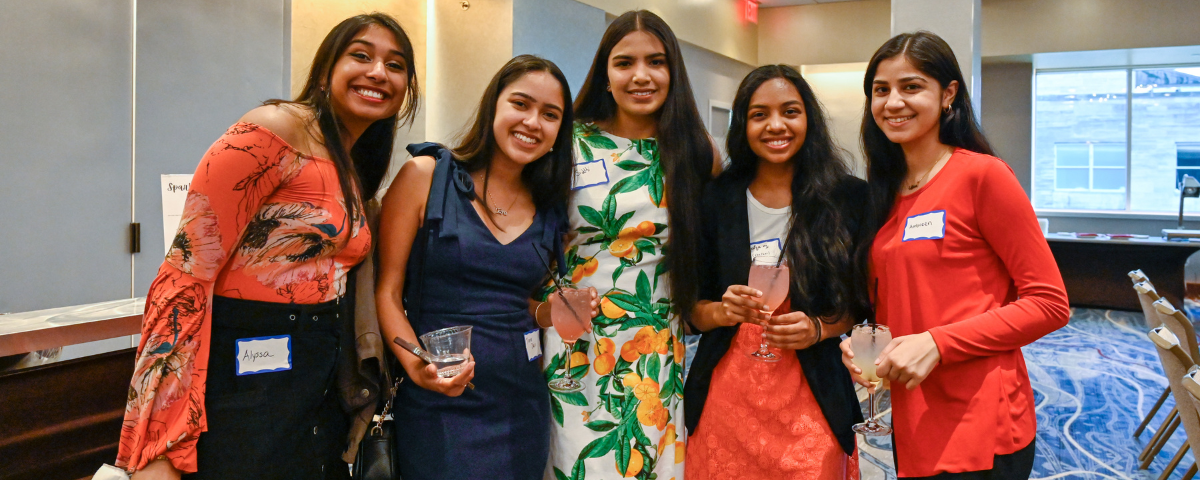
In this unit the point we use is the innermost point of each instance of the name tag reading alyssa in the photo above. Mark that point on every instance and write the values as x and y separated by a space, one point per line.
533 344
590 174
766 250
926 226
264 354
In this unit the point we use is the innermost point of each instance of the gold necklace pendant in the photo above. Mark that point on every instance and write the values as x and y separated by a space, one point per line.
927 172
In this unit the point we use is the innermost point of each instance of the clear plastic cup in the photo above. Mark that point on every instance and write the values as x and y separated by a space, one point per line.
450 349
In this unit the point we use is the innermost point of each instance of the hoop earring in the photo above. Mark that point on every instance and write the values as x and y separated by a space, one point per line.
946 110
608 88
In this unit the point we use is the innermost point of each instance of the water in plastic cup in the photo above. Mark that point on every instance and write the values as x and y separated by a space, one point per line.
449 349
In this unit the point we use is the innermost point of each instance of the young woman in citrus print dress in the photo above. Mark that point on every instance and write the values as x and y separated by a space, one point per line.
271 226
642 158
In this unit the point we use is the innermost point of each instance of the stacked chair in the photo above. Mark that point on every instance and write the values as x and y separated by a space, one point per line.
1147 296
1175 340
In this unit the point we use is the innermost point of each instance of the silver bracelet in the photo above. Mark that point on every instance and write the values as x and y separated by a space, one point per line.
535 314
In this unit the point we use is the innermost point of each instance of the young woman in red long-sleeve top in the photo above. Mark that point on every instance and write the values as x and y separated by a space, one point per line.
961 272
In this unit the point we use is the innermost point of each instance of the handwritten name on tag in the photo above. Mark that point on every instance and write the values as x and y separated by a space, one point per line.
926 226
264 354
590 174
533 344
766 250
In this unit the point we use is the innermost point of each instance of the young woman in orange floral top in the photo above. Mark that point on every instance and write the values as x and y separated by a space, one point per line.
271 226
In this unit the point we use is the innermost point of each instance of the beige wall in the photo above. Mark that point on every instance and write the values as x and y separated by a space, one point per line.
716 25
1016 27
313 19
466 48
839 89
851 31
842 32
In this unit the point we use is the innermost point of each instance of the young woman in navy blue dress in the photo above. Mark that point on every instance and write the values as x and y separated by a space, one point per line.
461 233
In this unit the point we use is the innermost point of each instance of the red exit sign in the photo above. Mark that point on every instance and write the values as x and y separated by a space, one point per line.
750 9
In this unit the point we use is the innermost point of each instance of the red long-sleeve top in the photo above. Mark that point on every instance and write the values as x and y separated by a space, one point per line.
988 286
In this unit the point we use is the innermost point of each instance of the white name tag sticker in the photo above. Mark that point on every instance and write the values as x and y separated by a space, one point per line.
533 344
766 250
926 226
590 174
264 354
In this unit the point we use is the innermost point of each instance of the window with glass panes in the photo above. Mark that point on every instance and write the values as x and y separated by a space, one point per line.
1115 139
1187 160
1089 166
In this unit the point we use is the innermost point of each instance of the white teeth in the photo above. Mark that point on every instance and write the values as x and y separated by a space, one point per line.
778 143
900 119
369 93
641 94
525 138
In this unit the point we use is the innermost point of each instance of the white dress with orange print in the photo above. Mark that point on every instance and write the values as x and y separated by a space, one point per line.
627 420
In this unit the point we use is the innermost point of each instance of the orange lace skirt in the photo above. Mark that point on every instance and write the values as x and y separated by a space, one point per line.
761 421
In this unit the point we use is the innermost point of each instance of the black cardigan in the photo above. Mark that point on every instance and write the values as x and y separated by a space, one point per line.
726 230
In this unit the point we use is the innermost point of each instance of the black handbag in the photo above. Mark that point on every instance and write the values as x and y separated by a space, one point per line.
376 459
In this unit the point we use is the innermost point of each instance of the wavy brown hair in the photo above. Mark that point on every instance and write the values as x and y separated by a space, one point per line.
826 281
362 169
886 165
547 178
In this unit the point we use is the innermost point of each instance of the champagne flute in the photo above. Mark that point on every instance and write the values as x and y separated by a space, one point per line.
868 340
771 278
570 317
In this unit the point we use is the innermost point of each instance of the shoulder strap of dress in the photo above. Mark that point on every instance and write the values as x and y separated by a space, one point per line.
448 175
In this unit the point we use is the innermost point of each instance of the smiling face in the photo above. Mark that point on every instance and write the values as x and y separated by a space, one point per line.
528 115
369 79
906 103
776 122
638 75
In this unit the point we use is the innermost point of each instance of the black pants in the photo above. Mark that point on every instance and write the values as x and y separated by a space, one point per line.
1014 466
285 425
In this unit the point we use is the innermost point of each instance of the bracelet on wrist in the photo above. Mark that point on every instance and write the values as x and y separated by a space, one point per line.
536 311
817 324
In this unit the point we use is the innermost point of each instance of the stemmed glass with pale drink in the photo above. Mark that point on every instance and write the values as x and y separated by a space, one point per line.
867 341
571 317
772 278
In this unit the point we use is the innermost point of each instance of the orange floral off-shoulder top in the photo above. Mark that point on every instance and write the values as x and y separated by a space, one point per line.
262 221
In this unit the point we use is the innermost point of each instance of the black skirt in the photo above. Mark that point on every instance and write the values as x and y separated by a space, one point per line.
284 424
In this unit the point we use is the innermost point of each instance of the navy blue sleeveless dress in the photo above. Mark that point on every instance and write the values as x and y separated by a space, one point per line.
459 274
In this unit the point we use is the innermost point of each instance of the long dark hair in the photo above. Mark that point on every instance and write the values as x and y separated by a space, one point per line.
547 178
362 170
826 281
886 166
685 150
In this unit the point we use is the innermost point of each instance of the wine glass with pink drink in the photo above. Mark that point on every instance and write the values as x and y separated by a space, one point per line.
571 317
772 278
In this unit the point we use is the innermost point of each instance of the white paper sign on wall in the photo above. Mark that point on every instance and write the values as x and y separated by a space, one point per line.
174 194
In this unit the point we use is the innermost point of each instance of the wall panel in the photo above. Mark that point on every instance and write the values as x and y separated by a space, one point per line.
200 67
65 178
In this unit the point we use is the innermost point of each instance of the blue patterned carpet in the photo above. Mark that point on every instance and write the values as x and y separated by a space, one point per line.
1093 381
